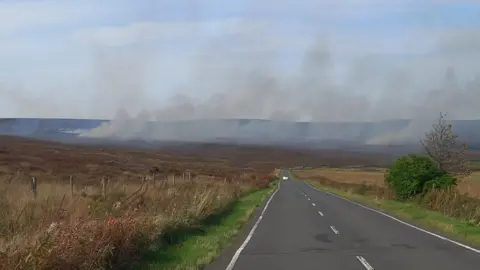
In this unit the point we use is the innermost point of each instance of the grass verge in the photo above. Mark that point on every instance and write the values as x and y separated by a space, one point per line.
460 230
195 248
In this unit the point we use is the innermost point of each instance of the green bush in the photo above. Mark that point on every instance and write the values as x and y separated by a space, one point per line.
443 182
413 174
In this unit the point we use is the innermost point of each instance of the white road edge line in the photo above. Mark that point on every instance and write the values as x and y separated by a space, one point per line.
320 213
250 234
364 262
334 230
400 221
313 204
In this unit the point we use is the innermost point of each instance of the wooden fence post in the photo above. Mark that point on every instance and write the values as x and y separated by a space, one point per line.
34 186
173 179
71 186
104 188
165 182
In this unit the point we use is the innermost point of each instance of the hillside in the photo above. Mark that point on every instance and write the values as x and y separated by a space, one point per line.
374 135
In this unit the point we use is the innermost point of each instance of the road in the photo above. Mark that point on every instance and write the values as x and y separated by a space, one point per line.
304 228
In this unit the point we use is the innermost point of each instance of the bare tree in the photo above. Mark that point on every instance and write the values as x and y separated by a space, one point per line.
441 145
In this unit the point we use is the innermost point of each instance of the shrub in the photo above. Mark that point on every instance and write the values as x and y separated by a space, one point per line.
442 182
413 174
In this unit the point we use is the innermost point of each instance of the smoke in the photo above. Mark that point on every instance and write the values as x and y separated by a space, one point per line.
244 84
120 79
254 70
457 100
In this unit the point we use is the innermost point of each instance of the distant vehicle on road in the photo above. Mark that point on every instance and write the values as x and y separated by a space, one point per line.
285 178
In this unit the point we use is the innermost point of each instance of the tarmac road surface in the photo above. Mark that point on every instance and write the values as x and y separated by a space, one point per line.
304 228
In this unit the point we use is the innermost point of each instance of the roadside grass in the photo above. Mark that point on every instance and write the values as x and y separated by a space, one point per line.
194 248
461 230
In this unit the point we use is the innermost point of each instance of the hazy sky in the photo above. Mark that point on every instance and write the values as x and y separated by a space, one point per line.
90 58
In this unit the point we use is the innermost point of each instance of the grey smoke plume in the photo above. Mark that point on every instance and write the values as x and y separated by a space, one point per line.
452 98
247 85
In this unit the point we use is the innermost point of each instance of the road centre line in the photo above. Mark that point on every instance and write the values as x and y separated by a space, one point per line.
400 221
334 230
364 263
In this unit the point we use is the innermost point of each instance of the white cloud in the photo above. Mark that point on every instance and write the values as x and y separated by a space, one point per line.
244 34
146 31
340 10
20 15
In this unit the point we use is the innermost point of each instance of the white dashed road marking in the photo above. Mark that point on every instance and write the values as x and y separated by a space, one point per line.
334 230
364 263
320 213
309 199
400 221
313 204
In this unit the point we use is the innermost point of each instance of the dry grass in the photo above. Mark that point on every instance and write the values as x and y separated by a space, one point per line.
59 231
354 176
471 184
373 176
80 228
